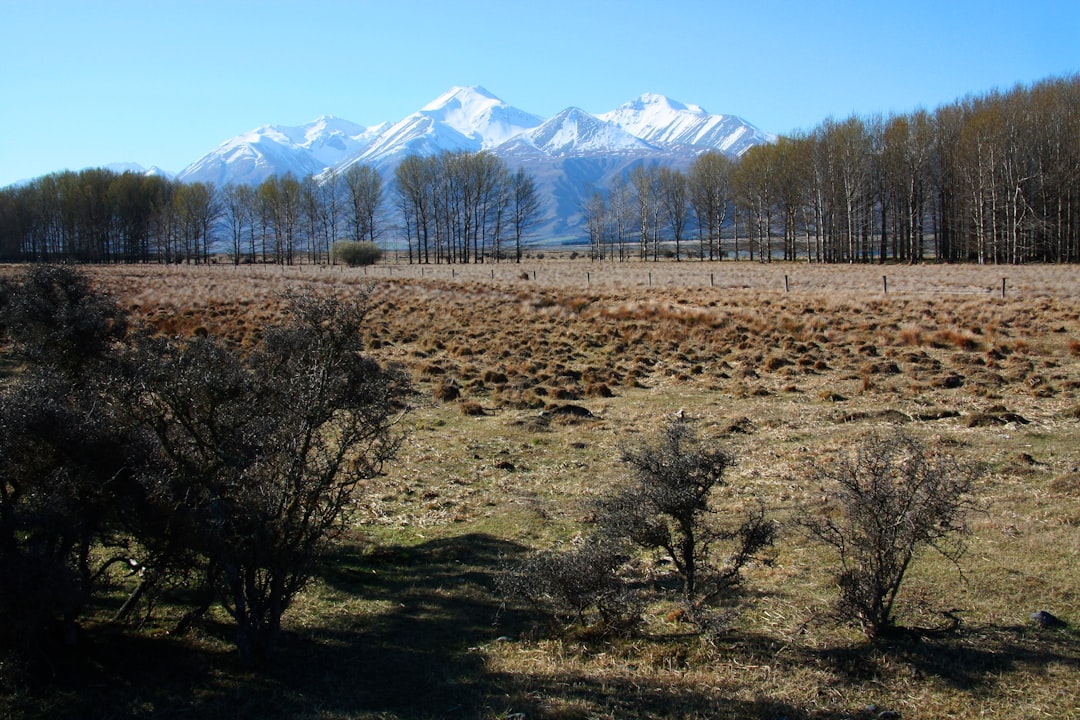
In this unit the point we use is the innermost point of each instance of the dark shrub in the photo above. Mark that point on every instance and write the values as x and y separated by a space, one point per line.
355 254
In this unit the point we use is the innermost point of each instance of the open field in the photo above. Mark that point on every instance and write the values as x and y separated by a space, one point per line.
781 364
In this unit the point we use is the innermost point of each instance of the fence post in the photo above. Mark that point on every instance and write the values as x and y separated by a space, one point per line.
1002 288
787 288
885 284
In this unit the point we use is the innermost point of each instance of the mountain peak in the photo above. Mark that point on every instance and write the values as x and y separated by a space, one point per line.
574 132
660 103
660 120
478 115
461 96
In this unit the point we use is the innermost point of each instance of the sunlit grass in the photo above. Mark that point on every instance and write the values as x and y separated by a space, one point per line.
402 621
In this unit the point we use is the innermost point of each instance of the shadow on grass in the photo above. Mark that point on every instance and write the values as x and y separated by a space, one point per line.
417 652
965 659
416 657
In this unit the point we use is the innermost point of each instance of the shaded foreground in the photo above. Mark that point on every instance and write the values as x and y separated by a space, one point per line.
403 623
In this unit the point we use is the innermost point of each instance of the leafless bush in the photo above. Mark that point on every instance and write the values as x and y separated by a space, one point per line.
665 507
262 457
574 584
892 497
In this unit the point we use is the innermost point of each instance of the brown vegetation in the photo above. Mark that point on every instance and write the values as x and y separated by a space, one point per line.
783 379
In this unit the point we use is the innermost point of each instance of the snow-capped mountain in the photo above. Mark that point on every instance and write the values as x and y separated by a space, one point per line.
571 154
662 121
276 150
575 132
479 116
466 119
473 119
137 169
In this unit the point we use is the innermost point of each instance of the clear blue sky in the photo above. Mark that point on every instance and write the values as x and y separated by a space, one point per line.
161 82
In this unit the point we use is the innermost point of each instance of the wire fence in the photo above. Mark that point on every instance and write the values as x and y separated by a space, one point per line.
993 283
1000 282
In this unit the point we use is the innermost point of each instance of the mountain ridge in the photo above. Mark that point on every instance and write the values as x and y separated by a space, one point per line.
469 118
571 154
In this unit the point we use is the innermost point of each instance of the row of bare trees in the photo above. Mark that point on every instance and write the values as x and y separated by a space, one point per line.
990 179
455 207
98 215
464 207
102 216
655 207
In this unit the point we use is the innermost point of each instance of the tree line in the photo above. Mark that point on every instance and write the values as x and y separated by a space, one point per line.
454 207
462 207
989 179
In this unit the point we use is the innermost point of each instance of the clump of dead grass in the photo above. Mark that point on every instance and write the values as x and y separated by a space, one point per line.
671 344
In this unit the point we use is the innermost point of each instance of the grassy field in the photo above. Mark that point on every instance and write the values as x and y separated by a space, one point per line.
783 365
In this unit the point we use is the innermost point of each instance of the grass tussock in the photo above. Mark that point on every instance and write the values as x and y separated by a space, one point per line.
532 382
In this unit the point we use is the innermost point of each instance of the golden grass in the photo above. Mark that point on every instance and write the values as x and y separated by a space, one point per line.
779 378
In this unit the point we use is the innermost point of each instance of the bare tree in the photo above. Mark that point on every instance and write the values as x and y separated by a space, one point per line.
364 200
414 181
620 210
525 208
756 182
644 180
280 198
235 201
198 209
595 214
710 196
674 195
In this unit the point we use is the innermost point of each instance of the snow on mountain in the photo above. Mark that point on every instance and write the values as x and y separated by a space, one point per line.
466 119
471 119
331 140
276 150
479 115
417 134
126 167
155 171
663 121
250 159
575 132
137 169
571 155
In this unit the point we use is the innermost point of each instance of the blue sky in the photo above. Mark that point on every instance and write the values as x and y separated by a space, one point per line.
161 82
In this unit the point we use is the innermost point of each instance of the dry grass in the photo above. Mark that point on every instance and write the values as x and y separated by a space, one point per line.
404 623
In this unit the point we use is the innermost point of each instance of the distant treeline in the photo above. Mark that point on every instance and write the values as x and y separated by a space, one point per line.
990 179
456 207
